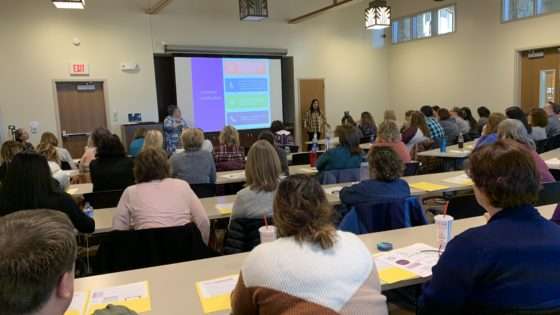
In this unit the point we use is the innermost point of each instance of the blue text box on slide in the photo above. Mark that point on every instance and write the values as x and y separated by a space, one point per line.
246 85
248 118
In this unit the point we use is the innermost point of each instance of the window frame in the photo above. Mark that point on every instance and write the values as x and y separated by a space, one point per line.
434 24
535 13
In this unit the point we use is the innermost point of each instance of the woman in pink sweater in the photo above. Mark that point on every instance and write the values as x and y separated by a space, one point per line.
388 135
158 201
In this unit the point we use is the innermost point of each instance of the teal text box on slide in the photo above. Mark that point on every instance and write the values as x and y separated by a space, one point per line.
246 101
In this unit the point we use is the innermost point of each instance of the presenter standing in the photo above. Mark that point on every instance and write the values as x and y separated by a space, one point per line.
173 126
314 121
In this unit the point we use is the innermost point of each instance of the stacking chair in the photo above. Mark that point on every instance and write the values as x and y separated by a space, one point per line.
104 199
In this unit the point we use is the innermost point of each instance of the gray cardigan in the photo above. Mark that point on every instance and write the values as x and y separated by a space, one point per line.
194 167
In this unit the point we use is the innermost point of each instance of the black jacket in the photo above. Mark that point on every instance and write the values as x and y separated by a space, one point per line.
243 235
115 173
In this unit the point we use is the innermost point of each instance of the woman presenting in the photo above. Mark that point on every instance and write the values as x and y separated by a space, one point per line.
173 126
314 121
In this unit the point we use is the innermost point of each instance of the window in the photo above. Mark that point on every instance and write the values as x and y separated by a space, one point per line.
435 22
446 20
423 25
520 9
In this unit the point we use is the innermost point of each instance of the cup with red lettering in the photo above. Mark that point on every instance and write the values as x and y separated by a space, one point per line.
268 233
444 224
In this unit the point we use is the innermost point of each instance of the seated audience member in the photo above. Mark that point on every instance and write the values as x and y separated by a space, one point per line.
514 130
407 117
230 155
367 126
138 142
207 144
481 270
490 130
153 140
538 121
29 185
348 120
436 109
553 126
458 115
37 261
282 136
390 115
22 136
483 114
50 153
263 175
158 201
9 149
282 155
312 275
194 165
385 170
347 155
91 148
64 157
436 131
516 113
450 127
417 131
474 132
389 136
111 169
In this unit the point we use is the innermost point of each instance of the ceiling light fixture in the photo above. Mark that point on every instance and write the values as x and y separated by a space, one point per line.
378 15
253 10
69 4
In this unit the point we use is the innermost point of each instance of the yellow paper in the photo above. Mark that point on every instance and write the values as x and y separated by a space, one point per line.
72 191
425 186
395 274
225 208
215 295
78 304
135 296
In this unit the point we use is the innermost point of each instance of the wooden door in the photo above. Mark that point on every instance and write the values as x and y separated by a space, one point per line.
539 77
81 109
310 89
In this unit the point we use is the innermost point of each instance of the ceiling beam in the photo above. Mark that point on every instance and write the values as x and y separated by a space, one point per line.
156 8
301 18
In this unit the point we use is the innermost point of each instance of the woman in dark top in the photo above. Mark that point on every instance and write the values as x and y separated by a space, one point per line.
474 131
111 169
29 185
367 126
517 113
9 149
22 136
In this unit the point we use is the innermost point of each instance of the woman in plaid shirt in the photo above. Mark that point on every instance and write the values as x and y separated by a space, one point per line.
314 121
229 155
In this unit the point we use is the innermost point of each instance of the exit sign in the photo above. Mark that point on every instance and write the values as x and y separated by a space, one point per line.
79 69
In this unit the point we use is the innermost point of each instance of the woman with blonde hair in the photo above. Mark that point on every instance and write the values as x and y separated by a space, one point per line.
229 155
389 136
48 148
312 268
48 139
153 140
194 165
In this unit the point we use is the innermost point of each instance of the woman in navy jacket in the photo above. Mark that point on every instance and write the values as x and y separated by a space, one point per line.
511 263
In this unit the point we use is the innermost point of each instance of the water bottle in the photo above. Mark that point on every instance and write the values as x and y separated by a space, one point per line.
461 141
372 138
313 153
328 140
287 149
88 210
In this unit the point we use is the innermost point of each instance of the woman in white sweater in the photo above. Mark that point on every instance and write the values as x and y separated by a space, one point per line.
312 268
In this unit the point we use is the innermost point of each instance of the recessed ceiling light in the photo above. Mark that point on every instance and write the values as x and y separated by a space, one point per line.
69 4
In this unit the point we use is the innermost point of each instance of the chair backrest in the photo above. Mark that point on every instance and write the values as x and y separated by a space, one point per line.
411 168
104 199
553 143
541 146
302 158
128 250
388 215
204 190
462 207
549 194
340 176
243 235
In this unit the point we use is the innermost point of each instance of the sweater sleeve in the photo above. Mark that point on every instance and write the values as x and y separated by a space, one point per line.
323 161
81 221
199 214
212 170
448 290
121 219
242 302
350 196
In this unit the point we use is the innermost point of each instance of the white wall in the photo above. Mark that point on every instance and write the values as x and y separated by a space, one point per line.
37 48
475 66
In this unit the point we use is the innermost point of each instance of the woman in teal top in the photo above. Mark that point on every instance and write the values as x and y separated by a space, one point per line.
138 143
347 155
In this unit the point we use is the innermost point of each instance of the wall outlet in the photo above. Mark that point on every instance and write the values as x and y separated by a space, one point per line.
115 116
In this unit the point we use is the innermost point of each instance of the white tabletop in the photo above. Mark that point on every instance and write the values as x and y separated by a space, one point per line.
452 152
173 290
552 159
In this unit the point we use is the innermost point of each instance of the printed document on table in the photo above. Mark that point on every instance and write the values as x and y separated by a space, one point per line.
135 296
417 259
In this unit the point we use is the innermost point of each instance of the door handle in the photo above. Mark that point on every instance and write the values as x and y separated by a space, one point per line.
75 134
